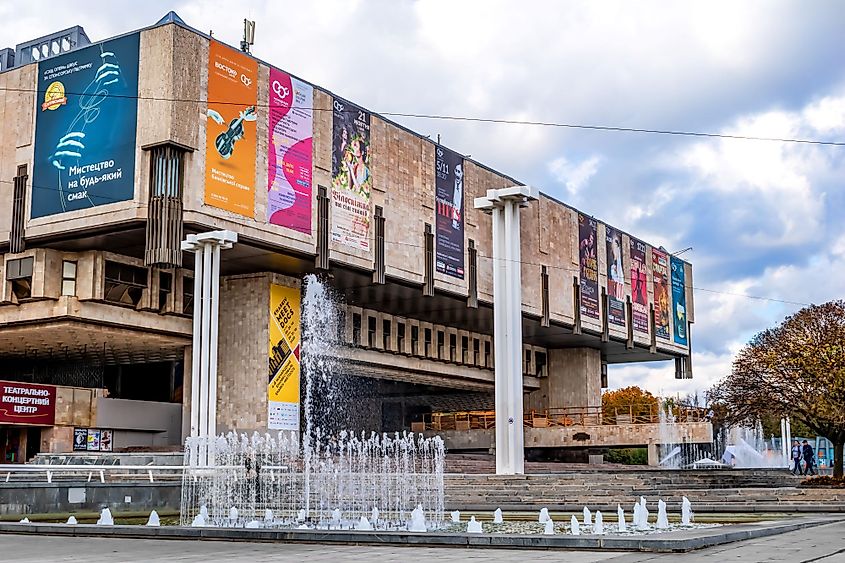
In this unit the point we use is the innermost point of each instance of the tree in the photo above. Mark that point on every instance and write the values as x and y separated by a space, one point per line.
796 369
631 400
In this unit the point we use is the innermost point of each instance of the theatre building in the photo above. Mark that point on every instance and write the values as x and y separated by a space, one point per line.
113 153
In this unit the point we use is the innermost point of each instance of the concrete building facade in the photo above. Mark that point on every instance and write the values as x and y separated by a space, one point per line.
99 297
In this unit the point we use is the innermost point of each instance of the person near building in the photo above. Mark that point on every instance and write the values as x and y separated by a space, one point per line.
796 457
809 462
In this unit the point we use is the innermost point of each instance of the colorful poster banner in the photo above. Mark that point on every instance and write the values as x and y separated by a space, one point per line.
27 403
284 351
449 224
85 128
679 301
589 266
230 143
289 156
351 177
639 286
660 269
615 277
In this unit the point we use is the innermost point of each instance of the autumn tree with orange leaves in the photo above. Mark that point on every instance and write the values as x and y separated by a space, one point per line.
796 369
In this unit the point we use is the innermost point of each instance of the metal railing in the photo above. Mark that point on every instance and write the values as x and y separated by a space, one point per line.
51 473
560 417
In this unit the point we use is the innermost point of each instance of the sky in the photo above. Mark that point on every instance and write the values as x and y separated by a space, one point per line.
763 218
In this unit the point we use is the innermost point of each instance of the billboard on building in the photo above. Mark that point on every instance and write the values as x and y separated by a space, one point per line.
589 266
289 156
230 143
284 350
449 224
639 286
351 177
660 269
27 403
85 128
679 300
615 277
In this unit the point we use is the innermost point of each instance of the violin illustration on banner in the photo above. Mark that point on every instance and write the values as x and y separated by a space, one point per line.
225 142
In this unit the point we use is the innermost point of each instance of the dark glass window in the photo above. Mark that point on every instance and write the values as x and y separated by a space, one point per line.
125 284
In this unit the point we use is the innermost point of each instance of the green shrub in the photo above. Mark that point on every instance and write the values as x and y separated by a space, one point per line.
627 456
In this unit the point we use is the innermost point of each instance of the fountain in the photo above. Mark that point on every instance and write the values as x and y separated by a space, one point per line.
24 520
497 516
588 521
598 527
364 525
620 516
304 479
456 515
473 527
71 521
268 516
153 520
641 515
105 518
573 526
544 515
686 512
662 517
549 528
417 523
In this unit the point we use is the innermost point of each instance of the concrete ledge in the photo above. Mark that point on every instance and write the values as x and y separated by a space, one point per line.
678 541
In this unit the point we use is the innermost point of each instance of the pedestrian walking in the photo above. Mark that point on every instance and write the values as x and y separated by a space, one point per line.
809 464
796 457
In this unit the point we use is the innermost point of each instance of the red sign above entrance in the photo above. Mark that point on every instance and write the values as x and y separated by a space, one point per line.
26 403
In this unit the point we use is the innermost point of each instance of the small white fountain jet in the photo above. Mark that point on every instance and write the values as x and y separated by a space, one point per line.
233 516
549 528
417 523
24 520
71 521
105 518
300 516
687 514
620 517
598 527
153 520
497 516
252 525
662 517
588 520
574 527
456 515
268 516
364 525
544 515
473 527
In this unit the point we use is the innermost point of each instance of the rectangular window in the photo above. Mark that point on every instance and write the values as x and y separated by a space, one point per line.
125 284
19 272
371 332
356 329
385 334
528 361
465 349
441 344
415 340
165 288
487 363
400 337
476 351
68 278
453 347
187 295
540 364
427 342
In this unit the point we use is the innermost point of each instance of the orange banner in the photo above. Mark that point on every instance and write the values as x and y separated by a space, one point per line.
230 131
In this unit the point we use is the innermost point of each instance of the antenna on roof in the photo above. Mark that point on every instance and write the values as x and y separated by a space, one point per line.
249 35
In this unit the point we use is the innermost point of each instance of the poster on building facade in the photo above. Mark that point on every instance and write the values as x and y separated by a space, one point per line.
284 353
615 277
679 300
449 223
660 269
352 180
85 128
27 403
230 143
589 267
639 286
289 156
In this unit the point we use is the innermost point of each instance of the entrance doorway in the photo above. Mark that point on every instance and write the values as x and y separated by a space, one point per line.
18 444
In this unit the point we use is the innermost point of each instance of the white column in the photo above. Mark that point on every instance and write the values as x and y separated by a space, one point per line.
214 279
515 396
195 346
500 313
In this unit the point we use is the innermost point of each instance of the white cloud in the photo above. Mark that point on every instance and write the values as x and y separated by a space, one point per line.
574 176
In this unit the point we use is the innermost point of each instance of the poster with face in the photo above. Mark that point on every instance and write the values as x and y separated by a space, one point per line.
80 439
679 301
105 440
449 200
352 181
639 286
589 267
660 267
615 277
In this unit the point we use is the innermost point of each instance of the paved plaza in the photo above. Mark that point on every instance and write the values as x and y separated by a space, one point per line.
823 544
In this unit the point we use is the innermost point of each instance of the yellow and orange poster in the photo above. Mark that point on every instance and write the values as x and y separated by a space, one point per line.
230 143
284 354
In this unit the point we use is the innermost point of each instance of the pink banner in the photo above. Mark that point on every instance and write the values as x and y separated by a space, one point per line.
290 153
